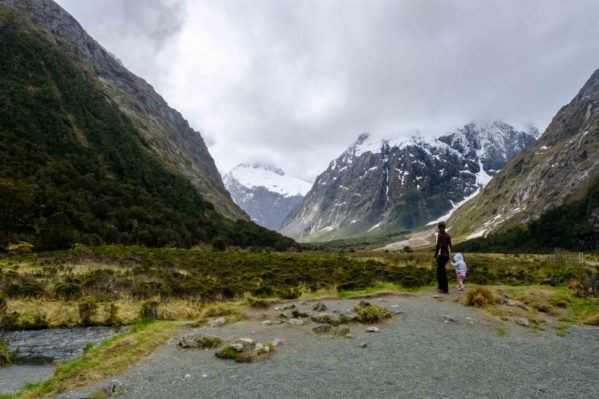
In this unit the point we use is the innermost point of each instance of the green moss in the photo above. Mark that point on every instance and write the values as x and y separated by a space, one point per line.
228 352
210 342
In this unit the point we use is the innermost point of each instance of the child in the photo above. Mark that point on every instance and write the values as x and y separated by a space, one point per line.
460 270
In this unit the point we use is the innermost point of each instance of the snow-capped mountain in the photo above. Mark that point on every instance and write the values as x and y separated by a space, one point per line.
556 170
385 185
265 192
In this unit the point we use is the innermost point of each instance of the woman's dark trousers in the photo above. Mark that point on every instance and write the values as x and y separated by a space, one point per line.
441 273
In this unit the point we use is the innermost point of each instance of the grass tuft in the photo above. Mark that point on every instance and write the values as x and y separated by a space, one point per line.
371 313
480 297
592 321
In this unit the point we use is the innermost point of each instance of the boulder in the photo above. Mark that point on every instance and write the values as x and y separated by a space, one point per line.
322 328
326 318
221 321
372 329
319 307
523 322
296 322
447 318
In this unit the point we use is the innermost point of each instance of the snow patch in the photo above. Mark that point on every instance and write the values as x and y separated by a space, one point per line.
272 179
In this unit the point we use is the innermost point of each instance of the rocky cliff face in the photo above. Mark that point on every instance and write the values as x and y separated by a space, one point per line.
388 185
167 132
265 192
559 167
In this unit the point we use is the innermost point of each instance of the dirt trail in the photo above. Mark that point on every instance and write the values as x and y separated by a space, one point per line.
415 355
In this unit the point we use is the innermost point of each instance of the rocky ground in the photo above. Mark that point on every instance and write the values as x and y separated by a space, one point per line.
431 348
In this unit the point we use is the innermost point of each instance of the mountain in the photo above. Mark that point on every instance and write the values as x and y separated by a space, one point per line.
383 186
163 128
554 180
75 165
265 192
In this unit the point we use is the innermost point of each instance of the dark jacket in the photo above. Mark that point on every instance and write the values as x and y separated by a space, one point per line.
443 244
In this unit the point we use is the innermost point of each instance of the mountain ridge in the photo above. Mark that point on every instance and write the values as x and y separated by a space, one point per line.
392 184
164 128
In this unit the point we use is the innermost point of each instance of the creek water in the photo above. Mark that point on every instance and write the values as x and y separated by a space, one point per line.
37 350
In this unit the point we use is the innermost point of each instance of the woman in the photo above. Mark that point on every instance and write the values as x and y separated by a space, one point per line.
442 254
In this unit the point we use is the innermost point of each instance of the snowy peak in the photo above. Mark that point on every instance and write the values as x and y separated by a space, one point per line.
385 183
268 176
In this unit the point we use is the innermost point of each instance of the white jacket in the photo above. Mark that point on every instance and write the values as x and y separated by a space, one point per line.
460 265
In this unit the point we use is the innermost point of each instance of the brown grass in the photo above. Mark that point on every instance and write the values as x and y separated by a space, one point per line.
480 297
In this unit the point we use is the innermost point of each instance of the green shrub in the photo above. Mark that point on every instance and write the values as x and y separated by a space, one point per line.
67 291
149 310
371 313
289 293
112 317
479 297
87 311
9 321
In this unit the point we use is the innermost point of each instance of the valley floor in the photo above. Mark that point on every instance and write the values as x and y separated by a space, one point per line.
415 355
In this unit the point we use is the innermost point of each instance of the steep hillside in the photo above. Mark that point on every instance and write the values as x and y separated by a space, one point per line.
163 128
559 169
74 168
265 192
384 186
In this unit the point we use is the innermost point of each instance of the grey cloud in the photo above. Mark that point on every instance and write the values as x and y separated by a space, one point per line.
319 72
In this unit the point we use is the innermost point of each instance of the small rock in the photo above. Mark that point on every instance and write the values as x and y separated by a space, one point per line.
221 321
349 336
279 322
470 320
276 342
237 347
342 330
299 313
322 328
510 302
116 386
363 304
372 329
290 306
319 307
326 318
187 375
204 375
262 348
522 322
447 318
394 306
363 345
277 308
296 322
248 341
267 322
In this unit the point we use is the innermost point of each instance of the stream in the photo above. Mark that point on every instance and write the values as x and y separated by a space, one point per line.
37 350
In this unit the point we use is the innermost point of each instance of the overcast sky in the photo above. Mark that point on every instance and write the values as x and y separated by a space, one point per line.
294 82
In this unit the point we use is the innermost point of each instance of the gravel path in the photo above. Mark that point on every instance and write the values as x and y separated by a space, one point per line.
416 355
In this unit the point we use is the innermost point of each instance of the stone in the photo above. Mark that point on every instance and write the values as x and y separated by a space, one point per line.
187 375
267 322
116 386
522 322
260 347
204 375
447 318
276 342
470 320
363 345
510 302
221 321
372 329
363 304
285 315
296 322
348 316
322 328
277 308
299 313
247 341
349 336
319 307
394 306
289 306
237 347
342 330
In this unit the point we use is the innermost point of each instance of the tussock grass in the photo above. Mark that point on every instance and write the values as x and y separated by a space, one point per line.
371 313
6 357
592 321
480 297
257 302
218 310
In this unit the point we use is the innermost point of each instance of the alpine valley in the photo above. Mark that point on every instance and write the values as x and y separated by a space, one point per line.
265 192
388 185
